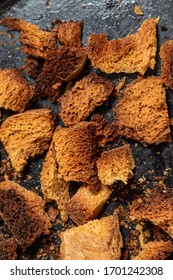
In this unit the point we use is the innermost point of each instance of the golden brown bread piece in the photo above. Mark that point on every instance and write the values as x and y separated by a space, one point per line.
15 91
166 54
85 205
155 250
23 213
8 248
104 131
66 64
79 102
26 135
157 208
95 240
11 23
142 114
116 164
53 185
69 33
133 53
76 153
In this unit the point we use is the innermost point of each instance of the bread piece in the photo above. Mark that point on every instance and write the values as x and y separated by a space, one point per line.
104 131
157 208
95 240
8 248
53 185
142 114
11 23
23 213
77 104
133 53
155 250
69 33
76 153
85 205
26 135
116 164
66 64
166 54
15 91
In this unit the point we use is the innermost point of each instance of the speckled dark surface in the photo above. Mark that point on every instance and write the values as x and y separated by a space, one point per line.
117 20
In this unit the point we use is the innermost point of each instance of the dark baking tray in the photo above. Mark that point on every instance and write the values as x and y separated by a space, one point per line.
117 20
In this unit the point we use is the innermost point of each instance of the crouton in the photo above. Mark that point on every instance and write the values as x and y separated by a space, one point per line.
133 53
95 240
166 54
8 248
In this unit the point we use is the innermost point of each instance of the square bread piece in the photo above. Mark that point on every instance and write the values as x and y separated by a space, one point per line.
76 154
26 135
95 240
53 186
88 93
166 55
15 91
155 250
116 165
157 208
23 213
133 53
142 114
85 205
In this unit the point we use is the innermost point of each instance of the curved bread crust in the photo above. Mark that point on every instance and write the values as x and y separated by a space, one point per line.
157 208
133 53
27 134
23 213
155 250
76 152
15 91
95 240
142 112
53 185
88 93
116 164
8 248
85 205
166 54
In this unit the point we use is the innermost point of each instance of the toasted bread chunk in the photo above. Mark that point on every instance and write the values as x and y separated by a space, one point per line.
53 185
104 131
157 208
133 53
26 135
15 91
69 33
11 23
85 96
76 152
23 213
142 112
66 64
85 205
166 54
116 164
155 250
8 248
95 240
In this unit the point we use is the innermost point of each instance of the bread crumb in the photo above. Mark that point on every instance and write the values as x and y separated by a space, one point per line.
137 10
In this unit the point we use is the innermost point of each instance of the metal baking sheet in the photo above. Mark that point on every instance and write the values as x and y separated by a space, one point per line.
116 20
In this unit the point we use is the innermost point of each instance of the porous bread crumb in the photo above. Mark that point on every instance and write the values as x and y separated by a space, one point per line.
15 91
85 205
116 164
95 240
23 213
166 55
88 93
137 10
133 53
155 250
142 114
120 85
26 135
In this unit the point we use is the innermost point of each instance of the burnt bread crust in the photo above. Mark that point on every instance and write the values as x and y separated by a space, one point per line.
23 213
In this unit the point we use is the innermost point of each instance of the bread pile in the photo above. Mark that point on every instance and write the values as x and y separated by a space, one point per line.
76 147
